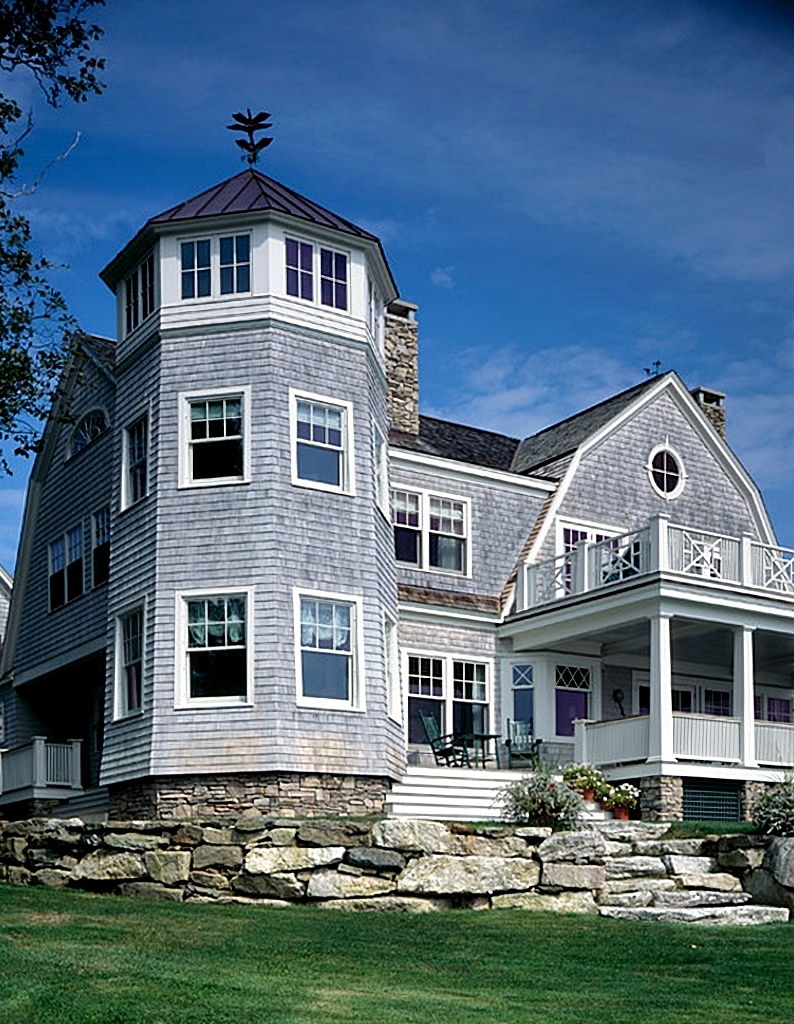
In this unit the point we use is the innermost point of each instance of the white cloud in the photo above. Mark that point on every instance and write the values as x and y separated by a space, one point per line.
443 277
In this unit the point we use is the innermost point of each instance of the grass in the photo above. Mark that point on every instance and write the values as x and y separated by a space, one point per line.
699 829
77 958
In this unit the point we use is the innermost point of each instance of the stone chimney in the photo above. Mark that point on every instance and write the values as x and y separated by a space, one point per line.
713 405
401 343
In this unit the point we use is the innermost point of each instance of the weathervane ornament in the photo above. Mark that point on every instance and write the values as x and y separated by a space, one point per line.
251 124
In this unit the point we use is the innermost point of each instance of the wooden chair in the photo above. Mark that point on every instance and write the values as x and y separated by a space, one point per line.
522 747
449 750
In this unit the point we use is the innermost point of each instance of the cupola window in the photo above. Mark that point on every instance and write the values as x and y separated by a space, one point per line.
305 264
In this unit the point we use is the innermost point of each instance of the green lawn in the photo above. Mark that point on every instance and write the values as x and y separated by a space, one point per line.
74 957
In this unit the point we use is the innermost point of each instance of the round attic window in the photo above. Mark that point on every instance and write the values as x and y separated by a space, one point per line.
666 471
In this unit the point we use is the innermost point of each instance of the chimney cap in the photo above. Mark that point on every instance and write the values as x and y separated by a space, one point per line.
708 396
399 307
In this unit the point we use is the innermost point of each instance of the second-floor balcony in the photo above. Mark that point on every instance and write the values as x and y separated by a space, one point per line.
659 547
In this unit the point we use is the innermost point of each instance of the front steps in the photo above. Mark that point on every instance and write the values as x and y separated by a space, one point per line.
458 794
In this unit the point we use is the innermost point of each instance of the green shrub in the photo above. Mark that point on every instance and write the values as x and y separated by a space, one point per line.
773 810
541 799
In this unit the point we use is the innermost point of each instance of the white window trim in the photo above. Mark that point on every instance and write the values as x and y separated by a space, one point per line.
182 698
424 530
143 321
184 399
564 523
317 244
126 502
95 545
391 647
448 698
380 468
357 700
348 454
214 237
120 712
682 474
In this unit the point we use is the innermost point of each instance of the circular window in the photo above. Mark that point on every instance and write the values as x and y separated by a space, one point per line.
666 472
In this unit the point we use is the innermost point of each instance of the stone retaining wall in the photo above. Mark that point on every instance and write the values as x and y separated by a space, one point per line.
616 868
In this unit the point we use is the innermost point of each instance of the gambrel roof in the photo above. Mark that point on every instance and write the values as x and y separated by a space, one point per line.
563 438
455 441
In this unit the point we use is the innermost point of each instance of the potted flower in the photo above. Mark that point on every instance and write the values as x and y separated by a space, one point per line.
622 799
588 779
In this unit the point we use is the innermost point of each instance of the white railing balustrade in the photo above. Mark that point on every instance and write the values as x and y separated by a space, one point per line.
774 743
697 553
613 742
772 568
41 764
660 547
707 737
618 558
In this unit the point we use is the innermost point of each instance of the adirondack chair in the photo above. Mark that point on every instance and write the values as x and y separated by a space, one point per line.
522 747
447 750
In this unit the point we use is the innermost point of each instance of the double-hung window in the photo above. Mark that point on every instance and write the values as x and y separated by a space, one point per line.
322 455
136 461
66 568
431 531
307 263
329 670
129 672
220 265
100 554
139 294
216 648
453 691
215 430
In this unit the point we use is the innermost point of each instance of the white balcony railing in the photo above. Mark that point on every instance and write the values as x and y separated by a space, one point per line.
709 738
41 765
659 547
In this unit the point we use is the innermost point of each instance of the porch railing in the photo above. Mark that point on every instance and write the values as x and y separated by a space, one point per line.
659 547
40 765
710 738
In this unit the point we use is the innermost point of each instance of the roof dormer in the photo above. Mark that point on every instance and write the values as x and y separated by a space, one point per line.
250 250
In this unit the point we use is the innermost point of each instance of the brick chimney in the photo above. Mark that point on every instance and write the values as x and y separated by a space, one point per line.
402 366
713 405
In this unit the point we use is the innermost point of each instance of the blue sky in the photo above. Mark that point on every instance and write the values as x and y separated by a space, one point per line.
569 191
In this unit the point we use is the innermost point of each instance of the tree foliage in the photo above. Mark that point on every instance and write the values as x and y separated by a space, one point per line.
53 40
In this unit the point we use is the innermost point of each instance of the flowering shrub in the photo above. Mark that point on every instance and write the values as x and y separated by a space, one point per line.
541 799
773 810
585 776
623 795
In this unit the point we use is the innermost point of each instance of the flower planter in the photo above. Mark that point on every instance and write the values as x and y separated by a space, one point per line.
621 813
588 794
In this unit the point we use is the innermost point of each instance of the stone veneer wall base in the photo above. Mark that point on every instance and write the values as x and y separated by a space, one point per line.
170 798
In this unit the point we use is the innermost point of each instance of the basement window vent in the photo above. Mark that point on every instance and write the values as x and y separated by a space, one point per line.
706 800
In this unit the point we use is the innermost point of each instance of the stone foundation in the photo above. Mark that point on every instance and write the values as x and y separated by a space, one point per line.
662 798
170 798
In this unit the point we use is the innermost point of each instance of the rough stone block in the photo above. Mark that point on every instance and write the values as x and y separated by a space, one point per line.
637 898
564 903
169 867
392 904
565 875
151 891
375 858
587 847
689 865
106 866
327 884
444 875
134 841
52 878
718 880
701 915
210 880
779 860
742 860
283 886
764 888
217 857
412 834
639 884
700 898
263 860
635 867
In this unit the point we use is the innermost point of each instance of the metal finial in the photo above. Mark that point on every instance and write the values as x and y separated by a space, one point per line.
251 124
654 369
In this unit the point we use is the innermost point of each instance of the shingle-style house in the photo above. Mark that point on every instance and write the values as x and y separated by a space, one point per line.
249 567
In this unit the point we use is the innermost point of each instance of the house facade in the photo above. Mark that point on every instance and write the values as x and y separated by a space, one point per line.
249 567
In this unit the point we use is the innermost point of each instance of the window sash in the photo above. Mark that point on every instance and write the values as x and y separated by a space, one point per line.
430 531
137 460
66 580
451 690
235 264
216 438
321 443
131 641
216 647
327 649
196 274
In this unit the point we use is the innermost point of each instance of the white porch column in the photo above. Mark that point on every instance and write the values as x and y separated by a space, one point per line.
39 744
660 739
660 556
744 691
